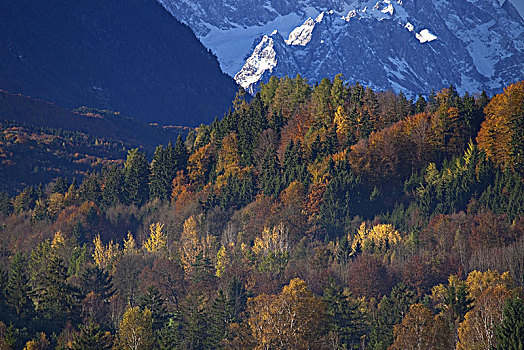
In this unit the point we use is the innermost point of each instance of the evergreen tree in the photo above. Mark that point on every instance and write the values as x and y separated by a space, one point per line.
114 189
391 311
60 185
342 199
91 337
237 295
96 280
270 174
55 299
316 149
196 323
136 174
154 301
294 167
420 105
509 334
381 333
345 318
458 301
163 169
220 318
6 207
170 337
331 143
25 201
89 189
18 291
180 154
250 125
338 92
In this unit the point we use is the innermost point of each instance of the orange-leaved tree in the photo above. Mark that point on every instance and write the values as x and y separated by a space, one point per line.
502 133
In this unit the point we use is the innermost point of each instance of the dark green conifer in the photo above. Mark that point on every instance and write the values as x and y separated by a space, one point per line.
509 334
136 176
18 290
154 301
270 174
345 318
114 189
91 337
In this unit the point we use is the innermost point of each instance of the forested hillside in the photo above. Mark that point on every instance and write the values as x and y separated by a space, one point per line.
325 217
40 141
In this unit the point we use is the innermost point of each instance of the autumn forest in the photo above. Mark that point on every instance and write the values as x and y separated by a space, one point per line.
308 217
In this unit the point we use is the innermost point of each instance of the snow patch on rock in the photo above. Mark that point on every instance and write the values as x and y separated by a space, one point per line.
261 60
425 36
301 36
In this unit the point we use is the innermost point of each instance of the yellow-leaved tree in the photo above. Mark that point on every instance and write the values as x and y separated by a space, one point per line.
194 242
271 249
477 331
292 319
157 241
105 256
40 343
501 134
378 238
421 330
477 281
130 246
342 122
135 331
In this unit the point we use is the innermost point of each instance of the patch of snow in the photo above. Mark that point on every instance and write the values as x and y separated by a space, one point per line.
232 45
388 9
262 60
351 14
301 36
425 36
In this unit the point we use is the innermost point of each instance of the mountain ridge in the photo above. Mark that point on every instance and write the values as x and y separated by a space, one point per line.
473 45
128 56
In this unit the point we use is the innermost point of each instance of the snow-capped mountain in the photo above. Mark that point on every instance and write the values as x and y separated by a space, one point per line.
405 45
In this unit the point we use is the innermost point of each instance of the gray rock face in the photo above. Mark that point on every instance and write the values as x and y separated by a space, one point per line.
409 46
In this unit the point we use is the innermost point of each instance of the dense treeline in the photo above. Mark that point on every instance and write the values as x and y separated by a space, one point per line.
40 141
325 217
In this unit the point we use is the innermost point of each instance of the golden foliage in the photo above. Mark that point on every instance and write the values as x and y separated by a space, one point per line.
342 123
477 281
41 343
130 244
224 259
199 163
421 330
314 201
105 256
477 331
157 241
293 319
194 242
272 241
56 203
228 154
377 238
135 331
58 240
501 133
